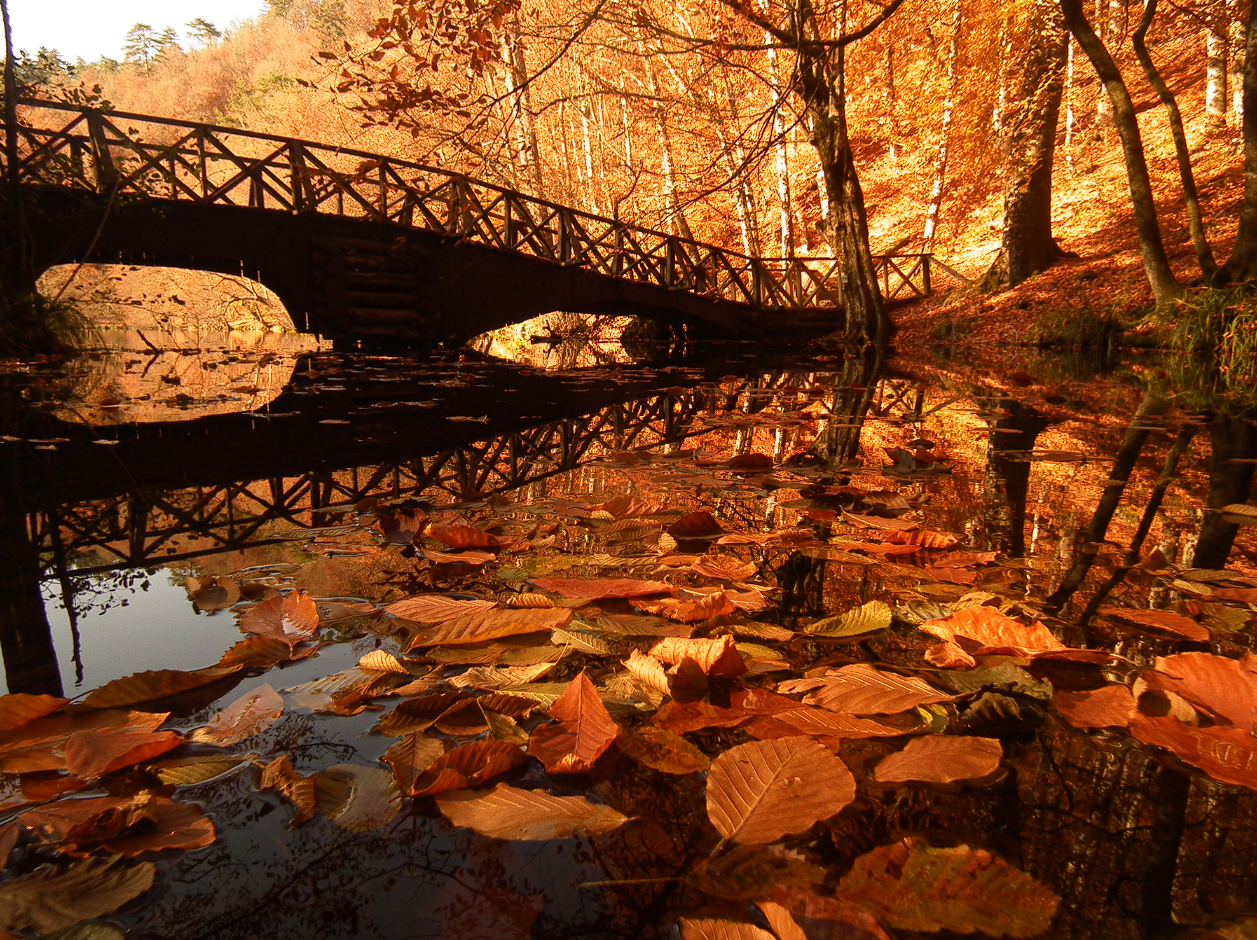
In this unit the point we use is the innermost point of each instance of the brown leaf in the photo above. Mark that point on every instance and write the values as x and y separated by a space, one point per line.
411 756
926 538
688 609
462 536
154 684
751 461
1111 706
18 708
529 600
262 651
818 721
938 758
49 899
745 704
468 766
662 750
481 625
725 568
491 678
650 675
992 631
948 655
716 657
860 689
188 771
214 593
91 754
291 617
582 734
761 791
1228 755
400 526
601 588
910 886
379 662
435 608
527 815
750 871
120 826
250 714
299 790
39 745
880 522
418 714
1222 687
696 525
1165 620
710 928
962 559
372 799
819 918
458 558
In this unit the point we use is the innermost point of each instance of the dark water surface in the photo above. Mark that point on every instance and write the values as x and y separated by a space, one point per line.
1096 492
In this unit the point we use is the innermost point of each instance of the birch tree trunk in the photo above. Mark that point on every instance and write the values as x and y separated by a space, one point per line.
521 105
781 164
1242 265
1236 34
1215 64
940 159
1027 247
676 217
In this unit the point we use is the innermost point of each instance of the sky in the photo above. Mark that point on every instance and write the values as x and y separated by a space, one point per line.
90 28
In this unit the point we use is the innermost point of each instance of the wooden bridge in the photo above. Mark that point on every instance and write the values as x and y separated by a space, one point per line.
359 245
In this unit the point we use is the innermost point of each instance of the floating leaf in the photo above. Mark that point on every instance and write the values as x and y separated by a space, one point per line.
300 790
261 651
380 662
761 791
993 631
528 815
1223 687
213 593
436 608
1111 706
291 617
91 754
418 714
710 928
120 825
458 558
582 734
40 744
725 568
372 801
1239 514
880 522
926 538
910 886
715 657
481 625
189 771
937 758
468 766
18 708
460 536
696 525
400 526
49 899
149 686
750 871
817 917
1228 755
1166 620
249 715
860 689
492 678
866 618
688 609
528 600
411 756
601 588
663 751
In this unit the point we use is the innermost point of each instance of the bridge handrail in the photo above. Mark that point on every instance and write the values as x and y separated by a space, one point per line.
615 248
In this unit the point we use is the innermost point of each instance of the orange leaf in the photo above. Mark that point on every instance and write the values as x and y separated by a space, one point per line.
628 507
1111 706
662 750
1166 620
716 657
458 558
860 689
725 568
262 651
1228 755
938 758
603 587
481 625
581 735
401 526
992 631
19 708
689 610
154 684
299 789
926 538
880 522
824 916
435 608
411 756
462 536
93 754
291 617
417 714
250 714
467 766
696 525
1225 688
711 928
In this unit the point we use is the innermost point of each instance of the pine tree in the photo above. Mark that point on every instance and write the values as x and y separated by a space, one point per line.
203 32
142 44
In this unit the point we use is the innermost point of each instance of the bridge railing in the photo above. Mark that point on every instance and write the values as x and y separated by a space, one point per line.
139 156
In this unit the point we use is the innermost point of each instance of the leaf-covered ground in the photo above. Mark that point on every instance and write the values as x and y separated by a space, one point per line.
720 685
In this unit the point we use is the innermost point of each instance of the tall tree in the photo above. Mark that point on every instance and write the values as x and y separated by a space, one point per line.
141 46
1029 131
203 32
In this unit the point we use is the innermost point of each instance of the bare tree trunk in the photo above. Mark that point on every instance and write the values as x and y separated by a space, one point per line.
675 215
1027 247
1235 31
521 105
890 101
589 155
940 159
1215 64
1164 285
1071 122
781 164
1204 254
1104 107
1242 265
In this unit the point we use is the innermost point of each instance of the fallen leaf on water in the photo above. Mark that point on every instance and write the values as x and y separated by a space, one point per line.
1228 755
467 766
1166 620
1111 706
458 558
481 625
213 593
819 721
880 522
725 568
1223 687
662 750
457 535
9 834
601 588
948 655
120 826
189 771
867 618
380 662
715 657
435 608
926 538
291 617
860 689
529 600
40 744
528 815
154 684
250 714
261 651
750 871
418 714
91 754
492 678
938 758
581 735
761 791
910 886
696 525
687 609
649 674
1239 514
820 918
297 788
710 928
18 708
373 799
400 526
52 898
992 631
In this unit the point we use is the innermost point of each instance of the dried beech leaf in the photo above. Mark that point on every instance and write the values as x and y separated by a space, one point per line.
602 588
504 727
822 918
18 708
783 925
49 899
300 790
249 715
149 686
909 886
926 538
689 609
710 928
582 734
91 754
1165 620
411 756
119 825
491 678
663 751
649 673
457 535
458 558
468 766
716 657
866 618
1109 707
291 617
725 568
379 662
1228 755
696 525
880 522
262 651
937 758
418 714
435 608
189 771
527 815
372 802
1239 514
481 625
1223 687
750 871
860 689
528 600
761 791
993 631
818 721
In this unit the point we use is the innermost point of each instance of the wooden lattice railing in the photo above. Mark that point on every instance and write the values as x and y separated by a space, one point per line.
140 156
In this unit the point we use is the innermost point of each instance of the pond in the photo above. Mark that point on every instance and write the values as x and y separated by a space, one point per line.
401 646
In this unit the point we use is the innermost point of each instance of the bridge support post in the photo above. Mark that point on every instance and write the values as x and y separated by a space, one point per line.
106 172
297 168
925 274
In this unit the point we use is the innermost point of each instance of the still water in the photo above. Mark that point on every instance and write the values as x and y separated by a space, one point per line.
1074 496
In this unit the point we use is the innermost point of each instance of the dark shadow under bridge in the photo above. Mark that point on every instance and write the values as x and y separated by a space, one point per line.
363 246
